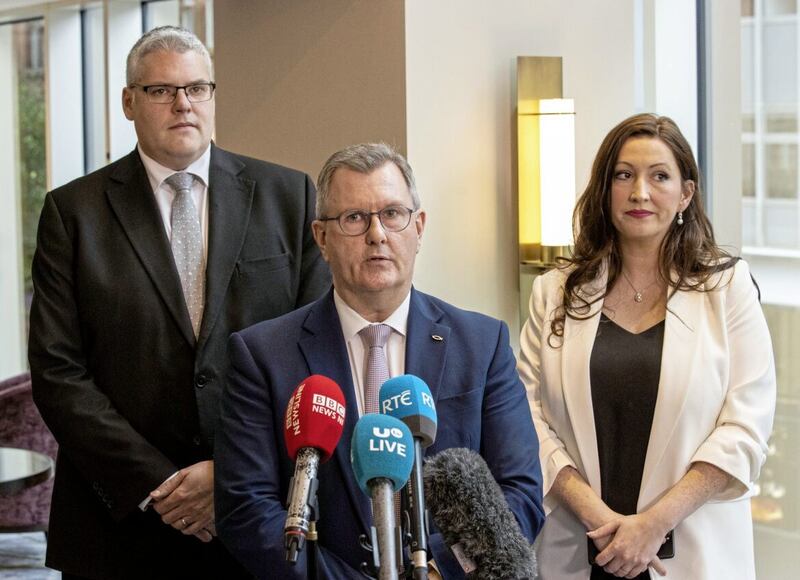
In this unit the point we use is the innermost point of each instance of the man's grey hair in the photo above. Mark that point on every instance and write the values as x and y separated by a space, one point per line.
363 158
164 39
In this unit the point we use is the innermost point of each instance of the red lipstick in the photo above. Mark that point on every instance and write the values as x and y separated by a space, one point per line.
639 213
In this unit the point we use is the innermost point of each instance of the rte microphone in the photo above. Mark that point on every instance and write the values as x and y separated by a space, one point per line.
381 454
470 510
313 426
409 399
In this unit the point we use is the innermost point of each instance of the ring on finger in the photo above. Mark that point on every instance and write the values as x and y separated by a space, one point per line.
184 522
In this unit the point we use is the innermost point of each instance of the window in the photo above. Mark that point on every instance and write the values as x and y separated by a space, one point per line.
28 38
94 83
23 166
770 105
771 244
63 130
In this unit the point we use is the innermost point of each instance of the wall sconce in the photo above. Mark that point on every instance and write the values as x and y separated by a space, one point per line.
546 162
546 169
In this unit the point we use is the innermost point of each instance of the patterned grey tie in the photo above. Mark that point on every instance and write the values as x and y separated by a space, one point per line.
374 337
187 246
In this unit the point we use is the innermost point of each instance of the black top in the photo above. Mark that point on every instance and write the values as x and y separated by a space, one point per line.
624 371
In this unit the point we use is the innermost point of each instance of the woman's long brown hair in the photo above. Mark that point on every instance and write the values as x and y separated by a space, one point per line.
688 255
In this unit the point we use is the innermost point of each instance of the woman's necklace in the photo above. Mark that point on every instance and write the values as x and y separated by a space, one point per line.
638 295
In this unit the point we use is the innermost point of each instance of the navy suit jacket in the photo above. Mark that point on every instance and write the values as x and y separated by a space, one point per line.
481 404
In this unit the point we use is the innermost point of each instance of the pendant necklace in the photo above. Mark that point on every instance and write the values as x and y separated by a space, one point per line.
638 295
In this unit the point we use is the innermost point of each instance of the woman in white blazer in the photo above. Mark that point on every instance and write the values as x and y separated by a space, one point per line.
674 409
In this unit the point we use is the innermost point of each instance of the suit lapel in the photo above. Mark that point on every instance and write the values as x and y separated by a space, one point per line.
326 354
230 198
132 201
426 355
578 390
575 360
684 314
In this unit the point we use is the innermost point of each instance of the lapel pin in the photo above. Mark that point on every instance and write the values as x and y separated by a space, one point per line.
436 337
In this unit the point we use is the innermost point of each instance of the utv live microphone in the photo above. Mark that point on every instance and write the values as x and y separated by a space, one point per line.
471 511
409 399
382 453
313 426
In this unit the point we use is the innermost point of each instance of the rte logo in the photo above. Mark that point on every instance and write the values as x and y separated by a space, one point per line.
404 400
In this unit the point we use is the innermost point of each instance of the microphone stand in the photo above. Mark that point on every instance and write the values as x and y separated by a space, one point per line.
386 544
303 515
370 570
383 510
312 537
416 518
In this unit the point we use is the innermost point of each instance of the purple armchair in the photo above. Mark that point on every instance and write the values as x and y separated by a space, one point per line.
22 426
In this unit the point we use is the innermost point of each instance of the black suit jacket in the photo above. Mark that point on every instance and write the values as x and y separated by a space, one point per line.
118 376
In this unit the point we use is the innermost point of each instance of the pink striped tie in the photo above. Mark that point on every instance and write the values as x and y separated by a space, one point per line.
375 337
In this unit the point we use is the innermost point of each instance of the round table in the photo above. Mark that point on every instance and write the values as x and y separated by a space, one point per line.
22 468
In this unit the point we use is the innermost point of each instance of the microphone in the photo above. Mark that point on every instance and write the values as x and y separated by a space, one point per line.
381 454
471 511
313 426
409 399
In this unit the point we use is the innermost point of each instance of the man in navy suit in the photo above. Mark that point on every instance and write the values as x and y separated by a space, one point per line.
369 229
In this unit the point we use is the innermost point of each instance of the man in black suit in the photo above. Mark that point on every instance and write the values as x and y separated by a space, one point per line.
140 276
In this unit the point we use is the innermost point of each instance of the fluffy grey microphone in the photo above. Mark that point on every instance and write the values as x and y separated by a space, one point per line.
469 508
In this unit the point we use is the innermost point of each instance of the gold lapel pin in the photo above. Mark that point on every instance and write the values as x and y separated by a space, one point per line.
436 337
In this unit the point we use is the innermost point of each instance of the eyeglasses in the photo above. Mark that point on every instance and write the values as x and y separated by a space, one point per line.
166 94
354 222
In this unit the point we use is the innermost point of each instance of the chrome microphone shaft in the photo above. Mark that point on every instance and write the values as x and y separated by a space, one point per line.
302 491
414 496
383 517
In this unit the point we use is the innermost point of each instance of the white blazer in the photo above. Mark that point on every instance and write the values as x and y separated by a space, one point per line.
716 402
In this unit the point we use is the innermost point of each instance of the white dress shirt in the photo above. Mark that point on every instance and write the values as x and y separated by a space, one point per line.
157 173
352 323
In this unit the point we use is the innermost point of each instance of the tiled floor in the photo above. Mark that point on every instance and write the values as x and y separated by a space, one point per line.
22 558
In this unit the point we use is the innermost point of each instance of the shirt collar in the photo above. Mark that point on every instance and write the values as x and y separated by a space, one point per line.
352 322
157 173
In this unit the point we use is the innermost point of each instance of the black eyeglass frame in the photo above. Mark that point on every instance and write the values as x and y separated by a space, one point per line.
145 89
369 215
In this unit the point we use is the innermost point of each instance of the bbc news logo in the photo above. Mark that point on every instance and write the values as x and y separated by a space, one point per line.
328 407
293 411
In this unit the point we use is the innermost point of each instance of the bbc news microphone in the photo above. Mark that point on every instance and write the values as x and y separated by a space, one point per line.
381 453
409 399
469 509
312 428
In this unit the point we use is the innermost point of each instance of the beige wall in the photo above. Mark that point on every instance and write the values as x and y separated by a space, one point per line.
439 77
299 79
461 63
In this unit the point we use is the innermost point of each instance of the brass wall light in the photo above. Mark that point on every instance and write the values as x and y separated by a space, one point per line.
546 169
546 162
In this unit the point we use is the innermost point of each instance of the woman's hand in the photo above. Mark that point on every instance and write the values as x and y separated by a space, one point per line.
629 545
602 542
